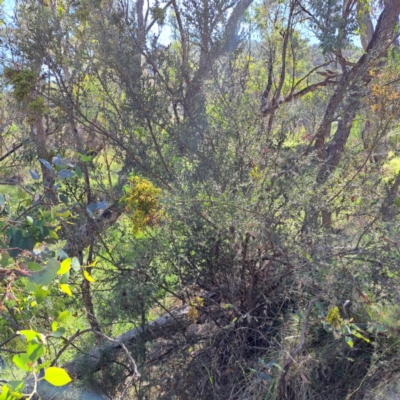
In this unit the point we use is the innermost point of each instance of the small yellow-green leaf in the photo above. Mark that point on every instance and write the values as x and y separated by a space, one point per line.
66 289
54 326
29 334
62 316
22 361
57 376
88 277
53 235
65 266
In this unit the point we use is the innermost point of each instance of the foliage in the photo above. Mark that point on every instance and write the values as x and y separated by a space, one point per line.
142 204
208 180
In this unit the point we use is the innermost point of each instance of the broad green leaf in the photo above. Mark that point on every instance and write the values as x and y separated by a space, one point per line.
5 259
88 276
41 294
34 174
47 274
5 393
29 334
65 173
75 264
33 266
66 289
65 266
64 278
58 332
29 220
57 376
16 385
61 254
34 350
22 361
46 164
54 326
62 316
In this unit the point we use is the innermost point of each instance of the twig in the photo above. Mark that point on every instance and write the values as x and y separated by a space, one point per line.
69 342
136 373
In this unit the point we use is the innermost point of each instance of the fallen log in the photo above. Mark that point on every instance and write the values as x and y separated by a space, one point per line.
103 355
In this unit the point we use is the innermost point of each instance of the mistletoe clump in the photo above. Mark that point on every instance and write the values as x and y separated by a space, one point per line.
141 202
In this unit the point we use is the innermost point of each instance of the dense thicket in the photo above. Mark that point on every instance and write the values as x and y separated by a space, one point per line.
200 199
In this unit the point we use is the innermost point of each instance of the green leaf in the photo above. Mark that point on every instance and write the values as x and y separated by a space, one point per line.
47 274
46 164
33 266
29 220
64 278
29 334
57 376
88 277
40 294
62 316
34 350
65 266
5 259
66 289
75 264
16 385
58 332
34 174
5 393
53 235
65 173
22 361
349 341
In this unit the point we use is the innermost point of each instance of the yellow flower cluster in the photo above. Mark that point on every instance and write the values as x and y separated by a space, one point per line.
141 204
193 313
333 318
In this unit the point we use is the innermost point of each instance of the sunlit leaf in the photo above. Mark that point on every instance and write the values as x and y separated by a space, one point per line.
65 266
34 350
29 334
22 361
66 289
57 376
88 276
62 316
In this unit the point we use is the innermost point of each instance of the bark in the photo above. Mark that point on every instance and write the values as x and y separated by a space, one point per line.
365 22
86 234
